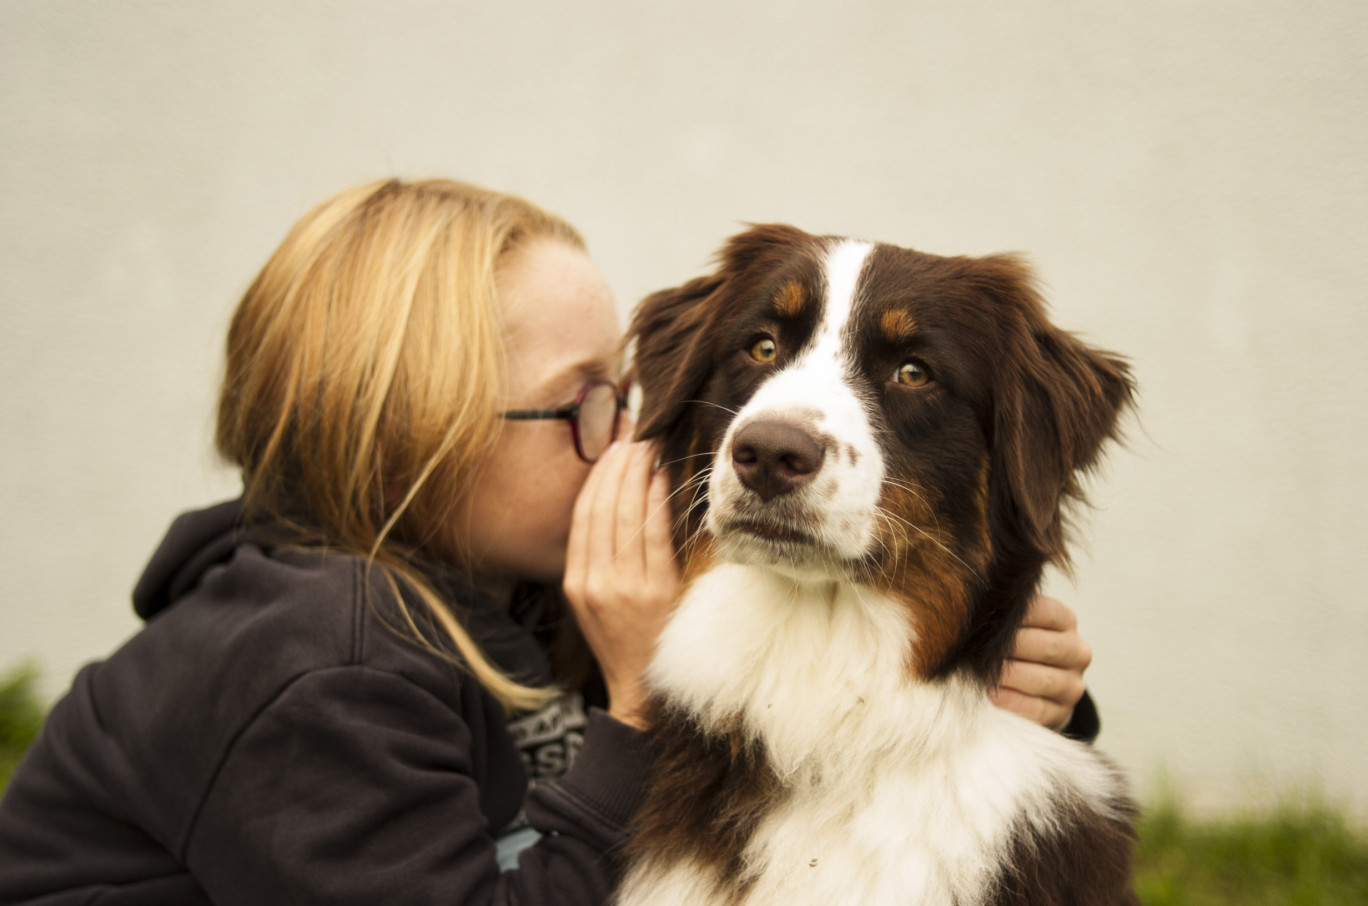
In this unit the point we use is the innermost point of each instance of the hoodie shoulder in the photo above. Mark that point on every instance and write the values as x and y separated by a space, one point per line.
195 541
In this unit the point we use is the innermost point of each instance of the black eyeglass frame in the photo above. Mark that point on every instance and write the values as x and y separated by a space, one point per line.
571 413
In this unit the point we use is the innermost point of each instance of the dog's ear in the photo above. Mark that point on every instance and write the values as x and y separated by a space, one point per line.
670 362
761 245
674 329
1058 401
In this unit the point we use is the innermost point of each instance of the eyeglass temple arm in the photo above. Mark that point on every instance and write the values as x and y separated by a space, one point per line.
529 414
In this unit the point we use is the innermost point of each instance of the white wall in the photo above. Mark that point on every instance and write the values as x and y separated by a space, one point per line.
1190 176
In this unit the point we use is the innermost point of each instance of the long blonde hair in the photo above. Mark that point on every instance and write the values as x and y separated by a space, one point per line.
363 372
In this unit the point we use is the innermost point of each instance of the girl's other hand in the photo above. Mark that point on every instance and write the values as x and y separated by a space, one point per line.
1043 680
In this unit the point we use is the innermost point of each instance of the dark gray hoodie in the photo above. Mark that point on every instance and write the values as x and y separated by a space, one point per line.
268 738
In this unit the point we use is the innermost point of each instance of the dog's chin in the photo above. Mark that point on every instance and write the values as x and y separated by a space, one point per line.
781 548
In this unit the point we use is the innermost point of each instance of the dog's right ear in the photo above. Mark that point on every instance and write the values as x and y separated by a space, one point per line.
671 360
673 328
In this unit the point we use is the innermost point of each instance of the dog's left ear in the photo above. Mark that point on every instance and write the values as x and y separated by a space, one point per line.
670 362
1058 401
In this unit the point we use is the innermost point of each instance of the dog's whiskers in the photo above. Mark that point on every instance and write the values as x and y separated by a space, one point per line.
894 521
697 487
727 409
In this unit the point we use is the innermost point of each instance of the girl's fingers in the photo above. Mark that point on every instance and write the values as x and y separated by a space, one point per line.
629 544
1050 613
603 503
580 548
1035 680
1049 636
580 515
1043 711
1052 648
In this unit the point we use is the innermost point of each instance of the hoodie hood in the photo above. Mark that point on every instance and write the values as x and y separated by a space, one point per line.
199 540
196 541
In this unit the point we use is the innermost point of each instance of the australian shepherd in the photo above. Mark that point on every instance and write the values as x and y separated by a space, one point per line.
873 449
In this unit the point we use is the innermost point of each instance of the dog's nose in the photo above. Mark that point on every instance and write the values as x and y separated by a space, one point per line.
773 458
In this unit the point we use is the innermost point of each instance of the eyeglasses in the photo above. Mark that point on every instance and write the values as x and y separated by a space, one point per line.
593 417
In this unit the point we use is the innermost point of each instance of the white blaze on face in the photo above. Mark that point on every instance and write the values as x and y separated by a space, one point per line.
839 505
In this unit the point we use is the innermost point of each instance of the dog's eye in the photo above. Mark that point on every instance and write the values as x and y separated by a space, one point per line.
764 350
912 374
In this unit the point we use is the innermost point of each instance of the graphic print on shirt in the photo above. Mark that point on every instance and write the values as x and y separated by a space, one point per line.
549 739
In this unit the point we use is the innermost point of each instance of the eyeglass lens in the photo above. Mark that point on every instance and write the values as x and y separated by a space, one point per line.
598 416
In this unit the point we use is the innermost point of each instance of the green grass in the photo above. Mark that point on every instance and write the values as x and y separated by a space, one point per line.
21 716
1299 855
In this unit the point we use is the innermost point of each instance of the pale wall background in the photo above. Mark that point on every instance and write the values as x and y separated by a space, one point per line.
1190 176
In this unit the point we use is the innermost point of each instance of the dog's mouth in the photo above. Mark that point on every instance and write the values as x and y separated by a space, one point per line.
780 545
769 530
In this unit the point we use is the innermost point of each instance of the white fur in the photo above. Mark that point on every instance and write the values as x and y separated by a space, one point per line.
906 791
844 262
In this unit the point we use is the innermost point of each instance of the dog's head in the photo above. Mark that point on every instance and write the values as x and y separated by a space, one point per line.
853 412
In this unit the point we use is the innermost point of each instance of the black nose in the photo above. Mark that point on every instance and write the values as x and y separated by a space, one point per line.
773 458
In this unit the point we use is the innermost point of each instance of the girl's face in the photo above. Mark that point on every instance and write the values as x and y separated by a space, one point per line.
563 331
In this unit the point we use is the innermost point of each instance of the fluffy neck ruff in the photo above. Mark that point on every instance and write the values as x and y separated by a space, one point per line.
802 761
791 663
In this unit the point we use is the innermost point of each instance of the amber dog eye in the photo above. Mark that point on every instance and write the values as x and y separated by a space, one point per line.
912 374
764 350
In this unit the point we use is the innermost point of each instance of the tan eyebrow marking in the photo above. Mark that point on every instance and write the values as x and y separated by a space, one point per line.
790 299
897 325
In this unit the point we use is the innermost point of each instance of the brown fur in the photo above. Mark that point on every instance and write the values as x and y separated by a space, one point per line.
790 299
920 564
1086 865
709 794
897 325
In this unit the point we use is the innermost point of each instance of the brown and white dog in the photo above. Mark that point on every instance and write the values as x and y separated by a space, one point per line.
872 448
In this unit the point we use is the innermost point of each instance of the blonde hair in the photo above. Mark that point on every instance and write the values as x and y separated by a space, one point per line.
363 371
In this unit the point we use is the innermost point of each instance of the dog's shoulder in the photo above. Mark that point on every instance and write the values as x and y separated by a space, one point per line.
1072 845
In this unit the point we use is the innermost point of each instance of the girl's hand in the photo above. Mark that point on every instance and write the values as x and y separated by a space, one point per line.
1044 679
620 572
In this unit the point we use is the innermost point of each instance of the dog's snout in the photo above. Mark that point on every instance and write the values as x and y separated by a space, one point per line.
773 458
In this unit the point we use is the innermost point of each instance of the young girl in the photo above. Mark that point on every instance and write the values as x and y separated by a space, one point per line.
356 682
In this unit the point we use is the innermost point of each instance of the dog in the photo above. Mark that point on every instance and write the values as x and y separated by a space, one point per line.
873 451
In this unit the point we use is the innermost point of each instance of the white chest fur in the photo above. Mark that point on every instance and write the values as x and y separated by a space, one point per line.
899 790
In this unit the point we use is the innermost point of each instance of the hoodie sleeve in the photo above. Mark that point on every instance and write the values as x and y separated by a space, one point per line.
355 785
1084 724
